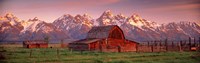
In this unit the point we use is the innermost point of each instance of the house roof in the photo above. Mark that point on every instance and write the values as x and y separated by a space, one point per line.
35 42
86 41
100 31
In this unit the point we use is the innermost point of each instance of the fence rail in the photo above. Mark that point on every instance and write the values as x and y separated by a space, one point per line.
163 46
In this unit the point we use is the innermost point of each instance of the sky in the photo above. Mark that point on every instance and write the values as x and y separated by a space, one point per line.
160 11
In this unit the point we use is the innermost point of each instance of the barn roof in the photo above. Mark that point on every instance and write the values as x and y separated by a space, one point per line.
132 41
35 42
86 41
100 31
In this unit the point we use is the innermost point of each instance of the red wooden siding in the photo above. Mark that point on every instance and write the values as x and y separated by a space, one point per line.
105 39
35 44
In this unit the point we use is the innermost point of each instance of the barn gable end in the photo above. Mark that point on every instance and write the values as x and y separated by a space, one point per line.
105 32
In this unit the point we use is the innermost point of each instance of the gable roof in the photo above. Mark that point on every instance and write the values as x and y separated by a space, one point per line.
86 41
35 42
100 31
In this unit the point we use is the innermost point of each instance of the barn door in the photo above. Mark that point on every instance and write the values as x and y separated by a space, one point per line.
119 48
37 45
100 46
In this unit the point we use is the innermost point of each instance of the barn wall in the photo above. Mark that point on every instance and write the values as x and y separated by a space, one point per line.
25 45
105 45
94 46
63 45
32 46
35 45
129 46
113 45
43 45
115 42
79 46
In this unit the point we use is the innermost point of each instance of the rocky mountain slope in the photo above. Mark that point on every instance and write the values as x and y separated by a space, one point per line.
76 27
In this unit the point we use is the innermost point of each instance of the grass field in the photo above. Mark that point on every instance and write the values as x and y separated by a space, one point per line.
63 55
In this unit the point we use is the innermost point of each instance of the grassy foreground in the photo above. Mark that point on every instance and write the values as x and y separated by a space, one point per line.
62 55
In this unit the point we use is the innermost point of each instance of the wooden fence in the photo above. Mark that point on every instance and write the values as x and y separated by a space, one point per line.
163 46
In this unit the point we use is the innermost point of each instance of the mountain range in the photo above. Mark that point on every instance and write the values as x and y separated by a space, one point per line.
76 27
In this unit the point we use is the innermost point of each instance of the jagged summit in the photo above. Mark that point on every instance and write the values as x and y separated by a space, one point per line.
107 13
9 15
76 27
86 14
67 15
136 17
35 18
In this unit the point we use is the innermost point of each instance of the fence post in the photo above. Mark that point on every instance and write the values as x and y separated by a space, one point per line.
190 44
166 44
62 43
30 53
180 46
160 45
185 42
172 45
71 50
194 42
57 52
199 41
137 47
152 48
156 45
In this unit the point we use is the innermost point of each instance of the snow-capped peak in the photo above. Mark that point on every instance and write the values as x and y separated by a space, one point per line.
35 19
107 13
120 16
87 16
136 17
9 17
31 24
134 27
66 16
135 20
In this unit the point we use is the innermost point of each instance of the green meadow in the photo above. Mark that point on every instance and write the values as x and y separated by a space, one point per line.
63 55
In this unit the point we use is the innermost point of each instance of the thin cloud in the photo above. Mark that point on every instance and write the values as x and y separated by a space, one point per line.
90 3
177 7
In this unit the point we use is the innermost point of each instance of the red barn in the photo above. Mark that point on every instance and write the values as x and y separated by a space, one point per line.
35 44
106 39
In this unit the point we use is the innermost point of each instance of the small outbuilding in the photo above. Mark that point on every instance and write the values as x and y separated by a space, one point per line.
35 44
105 39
